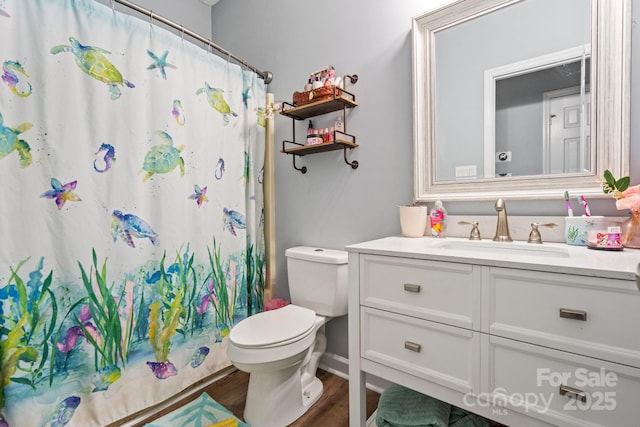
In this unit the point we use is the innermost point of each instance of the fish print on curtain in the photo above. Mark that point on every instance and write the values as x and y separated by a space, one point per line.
131 212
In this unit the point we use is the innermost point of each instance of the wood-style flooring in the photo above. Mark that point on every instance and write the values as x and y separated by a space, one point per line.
332 409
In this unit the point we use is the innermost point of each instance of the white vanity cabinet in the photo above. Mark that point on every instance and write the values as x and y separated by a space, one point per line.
593 316
418 317
442 292
523 340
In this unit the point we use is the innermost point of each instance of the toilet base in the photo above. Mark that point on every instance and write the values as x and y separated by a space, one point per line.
277 399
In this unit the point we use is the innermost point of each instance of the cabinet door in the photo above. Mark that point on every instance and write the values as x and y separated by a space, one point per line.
440 291
561 388
442 354
586 315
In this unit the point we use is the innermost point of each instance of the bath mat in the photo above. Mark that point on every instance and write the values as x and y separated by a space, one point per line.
202 412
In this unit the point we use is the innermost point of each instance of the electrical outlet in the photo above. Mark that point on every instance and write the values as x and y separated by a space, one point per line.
503 156
466 171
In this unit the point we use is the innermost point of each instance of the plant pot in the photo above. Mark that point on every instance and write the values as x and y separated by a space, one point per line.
413 220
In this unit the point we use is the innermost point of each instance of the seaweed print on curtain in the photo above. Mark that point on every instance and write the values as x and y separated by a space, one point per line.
131 212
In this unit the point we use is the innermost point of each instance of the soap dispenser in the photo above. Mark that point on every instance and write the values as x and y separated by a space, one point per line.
438 219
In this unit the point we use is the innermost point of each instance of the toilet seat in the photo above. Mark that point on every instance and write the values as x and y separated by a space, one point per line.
274 328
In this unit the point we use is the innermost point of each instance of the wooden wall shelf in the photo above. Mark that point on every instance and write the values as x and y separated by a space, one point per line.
341 100
329 105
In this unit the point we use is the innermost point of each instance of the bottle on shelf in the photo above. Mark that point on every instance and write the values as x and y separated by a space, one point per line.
312 135
339 125
308 86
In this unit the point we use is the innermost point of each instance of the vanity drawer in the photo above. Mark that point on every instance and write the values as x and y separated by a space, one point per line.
442 354
591 316
439 291
561 388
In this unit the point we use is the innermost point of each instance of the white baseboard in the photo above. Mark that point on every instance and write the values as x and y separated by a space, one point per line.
339 366
371 422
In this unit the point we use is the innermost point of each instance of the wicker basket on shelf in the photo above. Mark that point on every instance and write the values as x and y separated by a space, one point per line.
315 95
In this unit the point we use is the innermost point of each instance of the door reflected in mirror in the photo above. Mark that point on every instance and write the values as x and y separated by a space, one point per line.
539 123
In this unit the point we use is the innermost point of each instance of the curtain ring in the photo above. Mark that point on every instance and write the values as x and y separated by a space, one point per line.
113 5
182 32
151 17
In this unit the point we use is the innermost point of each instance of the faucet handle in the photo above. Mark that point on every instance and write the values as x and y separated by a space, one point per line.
475 233
535 236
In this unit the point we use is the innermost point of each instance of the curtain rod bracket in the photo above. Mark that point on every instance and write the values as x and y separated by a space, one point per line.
267 76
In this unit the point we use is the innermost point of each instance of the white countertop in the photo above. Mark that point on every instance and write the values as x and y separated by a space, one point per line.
550 257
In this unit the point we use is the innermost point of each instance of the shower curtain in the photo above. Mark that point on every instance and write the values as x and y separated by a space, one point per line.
131 211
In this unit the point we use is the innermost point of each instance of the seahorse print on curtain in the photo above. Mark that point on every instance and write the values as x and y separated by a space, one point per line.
131 212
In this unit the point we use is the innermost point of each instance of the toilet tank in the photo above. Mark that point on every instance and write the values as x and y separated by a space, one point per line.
318 279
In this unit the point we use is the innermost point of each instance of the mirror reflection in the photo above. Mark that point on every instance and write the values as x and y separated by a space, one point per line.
541 123
512 92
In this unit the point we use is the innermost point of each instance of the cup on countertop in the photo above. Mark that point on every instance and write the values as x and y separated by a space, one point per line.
575 229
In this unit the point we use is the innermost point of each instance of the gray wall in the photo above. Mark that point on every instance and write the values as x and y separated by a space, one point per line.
333 205
191 14
463 53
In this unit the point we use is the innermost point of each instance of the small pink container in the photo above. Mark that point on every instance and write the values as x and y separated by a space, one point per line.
604 234
313 140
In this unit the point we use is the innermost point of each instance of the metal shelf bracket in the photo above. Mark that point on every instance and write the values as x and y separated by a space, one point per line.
303 169
354 164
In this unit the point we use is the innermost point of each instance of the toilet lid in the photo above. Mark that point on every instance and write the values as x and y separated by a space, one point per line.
265 329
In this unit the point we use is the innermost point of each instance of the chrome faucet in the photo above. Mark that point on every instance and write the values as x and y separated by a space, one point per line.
502 227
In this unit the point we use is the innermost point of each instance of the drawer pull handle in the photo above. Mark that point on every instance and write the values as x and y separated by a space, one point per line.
410 287
412 346
568 313
573 393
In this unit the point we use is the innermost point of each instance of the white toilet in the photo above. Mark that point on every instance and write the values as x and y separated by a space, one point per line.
281 349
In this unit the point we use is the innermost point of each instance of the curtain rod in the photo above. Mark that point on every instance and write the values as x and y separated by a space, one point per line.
267 76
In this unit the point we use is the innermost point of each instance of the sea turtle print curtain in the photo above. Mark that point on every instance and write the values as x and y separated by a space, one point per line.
131 211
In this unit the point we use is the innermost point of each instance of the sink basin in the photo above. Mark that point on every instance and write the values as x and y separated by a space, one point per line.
504 248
